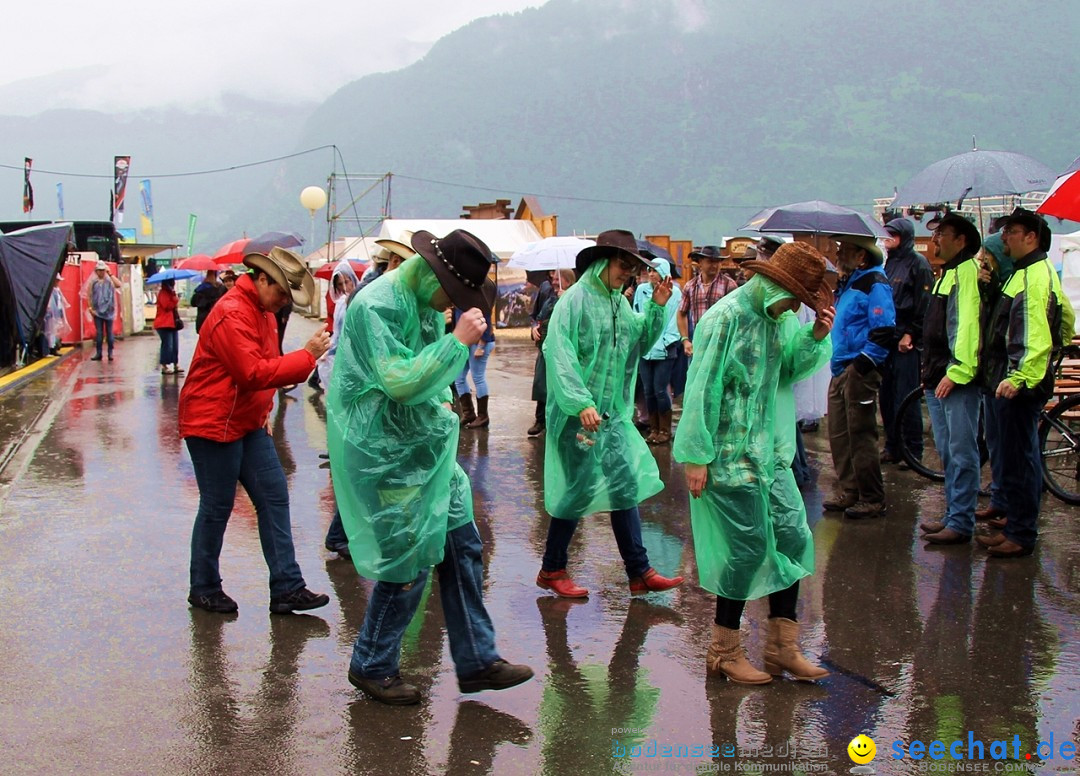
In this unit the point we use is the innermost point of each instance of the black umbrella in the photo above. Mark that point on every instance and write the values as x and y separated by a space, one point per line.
653 251
816 217
974 174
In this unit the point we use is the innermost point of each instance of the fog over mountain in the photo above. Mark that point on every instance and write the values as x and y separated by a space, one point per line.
702 111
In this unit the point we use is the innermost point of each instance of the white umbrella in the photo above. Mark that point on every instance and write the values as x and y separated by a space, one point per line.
549 253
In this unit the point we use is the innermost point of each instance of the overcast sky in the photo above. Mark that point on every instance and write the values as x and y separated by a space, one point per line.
128 54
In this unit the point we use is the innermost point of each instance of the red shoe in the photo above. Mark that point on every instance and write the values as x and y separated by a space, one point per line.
652 582
560 584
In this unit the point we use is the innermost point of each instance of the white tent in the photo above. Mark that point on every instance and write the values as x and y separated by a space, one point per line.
1065 253
503 236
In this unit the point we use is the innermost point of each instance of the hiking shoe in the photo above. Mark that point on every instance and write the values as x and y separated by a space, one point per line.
297 600
864 510
536 429
497 676
838 502
393 690
216 602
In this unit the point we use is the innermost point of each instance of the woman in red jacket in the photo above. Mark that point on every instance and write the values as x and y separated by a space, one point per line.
165 326
224 407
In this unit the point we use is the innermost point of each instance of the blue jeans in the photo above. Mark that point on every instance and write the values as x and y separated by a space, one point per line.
655 379
253 462
992 434
956 434
1021 479
170 346
103 328
625 524
478 367
377 651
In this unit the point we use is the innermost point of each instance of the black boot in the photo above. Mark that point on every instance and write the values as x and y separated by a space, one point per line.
468 414
482 419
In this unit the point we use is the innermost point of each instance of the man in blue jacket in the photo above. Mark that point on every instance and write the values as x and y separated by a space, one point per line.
863 337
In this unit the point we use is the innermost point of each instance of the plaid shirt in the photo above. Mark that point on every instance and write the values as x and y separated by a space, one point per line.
698 297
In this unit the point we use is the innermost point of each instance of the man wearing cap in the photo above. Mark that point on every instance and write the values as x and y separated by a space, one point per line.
100 291
863 336
910 276
951 336
224 409
751 536
1032 317
595 460
704 290
405 502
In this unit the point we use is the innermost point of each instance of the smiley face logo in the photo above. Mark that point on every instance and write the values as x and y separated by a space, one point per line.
861 750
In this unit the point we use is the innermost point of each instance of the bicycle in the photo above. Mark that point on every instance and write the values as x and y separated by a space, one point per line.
1059 437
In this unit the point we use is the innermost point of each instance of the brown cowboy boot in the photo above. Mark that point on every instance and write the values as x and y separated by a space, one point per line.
663 434
726 657
782 652
481 420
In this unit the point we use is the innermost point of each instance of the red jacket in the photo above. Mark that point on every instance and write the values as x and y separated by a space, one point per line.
230 384
167 302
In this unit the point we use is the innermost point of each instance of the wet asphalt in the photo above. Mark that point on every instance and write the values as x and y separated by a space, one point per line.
107 670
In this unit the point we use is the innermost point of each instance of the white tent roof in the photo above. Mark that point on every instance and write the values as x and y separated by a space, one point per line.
357 248
501 235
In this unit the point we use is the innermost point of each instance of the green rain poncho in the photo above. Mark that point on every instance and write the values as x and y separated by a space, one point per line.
592 348
750 533
392 444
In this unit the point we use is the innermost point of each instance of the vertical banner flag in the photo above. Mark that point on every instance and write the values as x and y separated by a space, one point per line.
192 218
27 189
120 175
147 207
60 199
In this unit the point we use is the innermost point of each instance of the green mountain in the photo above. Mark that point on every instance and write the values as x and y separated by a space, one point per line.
707 110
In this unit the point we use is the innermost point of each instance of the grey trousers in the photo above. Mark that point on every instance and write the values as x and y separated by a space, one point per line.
853 434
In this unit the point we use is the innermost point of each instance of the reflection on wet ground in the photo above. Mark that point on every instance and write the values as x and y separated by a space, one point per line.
108 670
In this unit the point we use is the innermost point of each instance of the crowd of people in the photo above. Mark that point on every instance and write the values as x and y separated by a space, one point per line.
408 335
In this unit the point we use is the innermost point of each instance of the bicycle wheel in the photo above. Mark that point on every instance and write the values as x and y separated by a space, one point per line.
929 465
1059 444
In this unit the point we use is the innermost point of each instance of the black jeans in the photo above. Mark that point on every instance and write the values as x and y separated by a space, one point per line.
782 603
901 375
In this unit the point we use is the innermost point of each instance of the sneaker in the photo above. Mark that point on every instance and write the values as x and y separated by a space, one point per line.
341 549
213 602
297 600
838 502
393 690
864 510
536 429
497 676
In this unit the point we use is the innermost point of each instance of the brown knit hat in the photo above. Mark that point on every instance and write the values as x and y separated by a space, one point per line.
798 268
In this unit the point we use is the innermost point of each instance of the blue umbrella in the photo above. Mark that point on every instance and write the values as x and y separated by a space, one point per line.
974 174
172 274
816 217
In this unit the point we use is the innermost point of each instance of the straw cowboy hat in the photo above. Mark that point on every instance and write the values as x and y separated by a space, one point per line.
799 269
288 271
402 249
461 262
613 242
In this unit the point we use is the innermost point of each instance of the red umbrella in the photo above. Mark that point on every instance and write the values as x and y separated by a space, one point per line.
326 271
234 252
199 261
1063 200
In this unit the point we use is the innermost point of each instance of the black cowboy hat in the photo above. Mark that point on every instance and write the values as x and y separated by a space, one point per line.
1032 222
461 262
707 252
963 227
613 242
